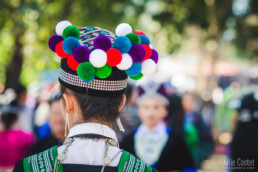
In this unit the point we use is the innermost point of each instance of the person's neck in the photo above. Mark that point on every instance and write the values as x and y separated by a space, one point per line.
101 122
94 121
151 127
189 111
59 136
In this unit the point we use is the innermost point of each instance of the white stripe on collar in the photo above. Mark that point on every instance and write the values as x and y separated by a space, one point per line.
92 128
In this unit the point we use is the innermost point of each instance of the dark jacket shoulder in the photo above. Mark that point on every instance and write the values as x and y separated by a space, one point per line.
41 145
174 156
18 167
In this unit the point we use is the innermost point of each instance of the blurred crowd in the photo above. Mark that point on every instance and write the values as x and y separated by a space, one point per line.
163 127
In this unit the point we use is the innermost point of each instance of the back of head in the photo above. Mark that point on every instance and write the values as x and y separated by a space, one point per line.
104 109
21 95
175 104
19 89
248 110
245 102
8 119
176 113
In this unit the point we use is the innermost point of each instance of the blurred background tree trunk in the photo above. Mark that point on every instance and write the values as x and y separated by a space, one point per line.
218 12
14 68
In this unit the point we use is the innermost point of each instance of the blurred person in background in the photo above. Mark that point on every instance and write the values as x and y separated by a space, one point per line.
42 111
153 141
224 116
175 120
198 135
244 150
21 96
128 115
25 114
14 142
207 111
176 114
57 126
41 120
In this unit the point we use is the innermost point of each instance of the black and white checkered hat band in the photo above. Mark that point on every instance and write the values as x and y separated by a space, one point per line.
96 84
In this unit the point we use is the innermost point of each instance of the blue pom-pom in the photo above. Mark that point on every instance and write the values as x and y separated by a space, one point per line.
134 70
123 44
144 39
69 44
88 80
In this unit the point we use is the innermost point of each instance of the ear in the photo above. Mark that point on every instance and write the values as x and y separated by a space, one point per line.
69 103
122 103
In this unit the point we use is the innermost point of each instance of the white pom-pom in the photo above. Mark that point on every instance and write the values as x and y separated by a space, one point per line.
61 26
148 67
126 62
98 58
123 29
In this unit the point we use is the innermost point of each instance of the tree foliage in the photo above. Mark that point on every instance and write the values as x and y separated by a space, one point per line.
26 25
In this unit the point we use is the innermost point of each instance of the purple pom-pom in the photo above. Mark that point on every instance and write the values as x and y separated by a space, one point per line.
154 56
137 52
102 42
53 41
81 54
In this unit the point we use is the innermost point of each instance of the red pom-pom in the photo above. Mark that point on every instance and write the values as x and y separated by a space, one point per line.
60 52
148 51
139 32
114 57
72 63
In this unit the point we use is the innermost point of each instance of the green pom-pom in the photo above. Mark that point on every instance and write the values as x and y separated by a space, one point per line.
86 70
71 31
134 38
137 77
104 71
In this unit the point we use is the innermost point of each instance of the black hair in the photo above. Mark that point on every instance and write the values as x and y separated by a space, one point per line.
8 119
19 89
249 103
176 113
129 90
100 108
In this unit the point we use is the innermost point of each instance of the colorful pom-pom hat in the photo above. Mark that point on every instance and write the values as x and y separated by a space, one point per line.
100 61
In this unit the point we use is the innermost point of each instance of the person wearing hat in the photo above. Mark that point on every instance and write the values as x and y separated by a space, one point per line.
154 141
95 66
